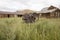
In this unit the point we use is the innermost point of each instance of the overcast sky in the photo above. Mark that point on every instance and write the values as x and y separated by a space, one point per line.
13 5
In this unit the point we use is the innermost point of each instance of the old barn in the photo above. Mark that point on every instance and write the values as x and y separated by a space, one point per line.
52 12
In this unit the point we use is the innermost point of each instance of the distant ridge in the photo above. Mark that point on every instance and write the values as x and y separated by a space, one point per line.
25 11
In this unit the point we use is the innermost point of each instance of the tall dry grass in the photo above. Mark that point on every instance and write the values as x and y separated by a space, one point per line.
16 29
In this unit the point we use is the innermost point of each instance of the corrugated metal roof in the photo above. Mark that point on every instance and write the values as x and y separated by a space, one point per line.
4 12
47 9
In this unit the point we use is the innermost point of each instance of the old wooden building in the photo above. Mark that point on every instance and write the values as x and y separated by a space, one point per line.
52 12
4 14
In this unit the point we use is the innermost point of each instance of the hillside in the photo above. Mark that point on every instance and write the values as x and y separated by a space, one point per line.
25 11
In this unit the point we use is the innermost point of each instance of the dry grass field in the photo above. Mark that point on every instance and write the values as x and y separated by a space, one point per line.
16 29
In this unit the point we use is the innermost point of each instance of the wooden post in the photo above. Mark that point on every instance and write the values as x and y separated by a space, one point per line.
15 15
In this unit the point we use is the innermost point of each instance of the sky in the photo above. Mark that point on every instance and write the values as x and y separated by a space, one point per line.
37 5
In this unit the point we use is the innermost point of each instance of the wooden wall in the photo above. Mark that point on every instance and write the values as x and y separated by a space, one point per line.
45 15
55 14
6 15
